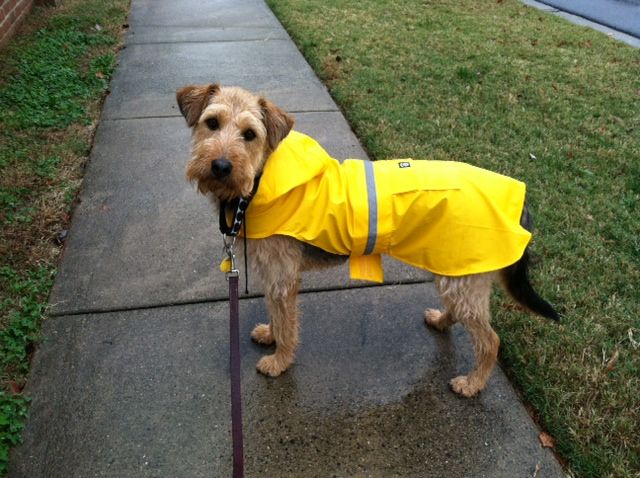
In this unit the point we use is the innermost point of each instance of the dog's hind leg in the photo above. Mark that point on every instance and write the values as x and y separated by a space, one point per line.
469 298
440 320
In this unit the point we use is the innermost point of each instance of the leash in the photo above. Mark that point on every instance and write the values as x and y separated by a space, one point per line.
234 361
229 236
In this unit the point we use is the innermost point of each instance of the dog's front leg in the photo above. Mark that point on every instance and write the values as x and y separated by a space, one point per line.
283 329
277 260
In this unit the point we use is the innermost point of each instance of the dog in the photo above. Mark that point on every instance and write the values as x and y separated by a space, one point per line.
239 139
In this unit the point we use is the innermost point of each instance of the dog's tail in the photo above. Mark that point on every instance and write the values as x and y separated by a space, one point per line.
516 281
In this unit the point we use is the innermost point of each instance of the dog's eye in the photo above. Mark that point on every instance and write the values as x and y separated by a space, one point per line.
249 135
212 123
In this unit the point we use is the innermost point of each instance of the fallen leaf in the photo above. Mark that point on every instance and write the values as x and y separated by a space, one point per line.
512 306
546 440
15 388
99 74
612 361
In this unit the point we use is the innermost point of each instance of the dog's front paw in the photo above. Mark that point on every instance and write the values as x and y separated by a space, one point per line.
272 365
262 334
462 385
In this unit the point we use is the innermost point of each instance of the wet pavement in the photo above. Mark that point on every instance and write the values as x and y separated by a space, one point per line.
145 393
132 377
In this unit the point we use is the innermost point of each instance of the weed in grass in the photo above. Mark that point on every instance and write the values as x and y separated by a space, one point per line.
47 88
21 311
13 413
13 208
46 167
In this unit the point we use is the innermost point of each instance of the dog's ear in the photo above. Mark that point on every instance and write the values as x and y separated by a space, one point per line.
277 122
192 100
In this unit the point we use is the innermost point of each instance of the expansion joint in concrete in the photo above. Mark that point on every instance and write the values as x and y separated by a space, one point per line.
213 300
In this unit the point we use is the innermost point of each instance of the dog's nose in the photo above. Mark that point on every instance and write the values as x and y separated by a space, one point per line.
221 168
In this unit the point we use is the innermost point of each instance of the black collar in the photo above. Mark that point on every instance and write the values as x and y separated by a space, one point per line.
238 206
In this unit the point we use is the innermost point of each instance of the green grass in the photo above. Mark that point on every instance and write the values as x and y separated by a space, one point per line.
491 83
54 75
53 59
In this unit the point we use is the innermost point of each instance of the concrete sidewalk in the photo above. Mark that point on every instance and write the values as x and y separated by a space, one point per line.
132 379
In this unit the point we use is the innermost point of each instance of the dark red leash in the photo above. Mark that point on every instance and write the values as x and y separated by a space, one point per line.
230 233
234 361
229 267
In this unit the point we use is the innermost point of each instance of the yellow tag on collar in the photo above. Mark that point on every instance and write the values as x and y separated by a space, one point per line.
225 265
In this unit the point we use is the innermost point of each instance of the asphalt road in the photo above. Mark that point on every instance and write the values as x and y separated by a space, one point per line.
622 15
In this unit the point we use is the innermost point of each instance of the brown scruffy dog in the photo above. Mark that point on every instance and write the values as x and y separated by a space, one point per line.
234 132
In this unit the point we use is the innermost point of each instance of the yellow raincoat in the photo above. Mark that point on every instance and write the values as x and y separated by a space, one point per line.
446 217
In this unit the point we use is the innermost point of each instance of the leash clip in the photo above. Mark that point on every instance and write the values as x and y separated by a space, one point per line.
228 265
